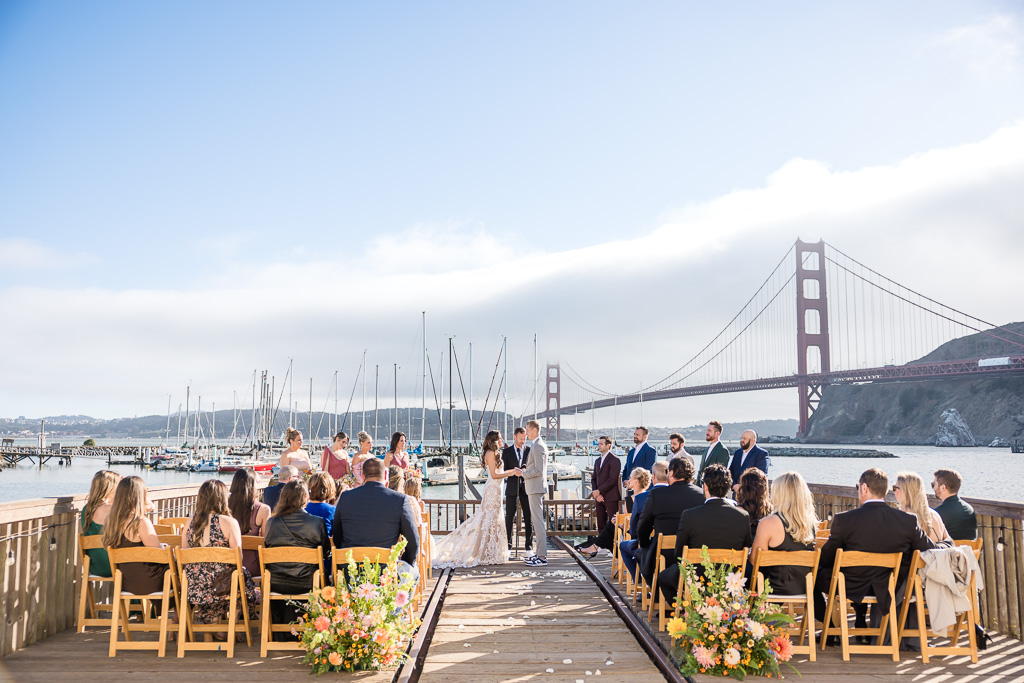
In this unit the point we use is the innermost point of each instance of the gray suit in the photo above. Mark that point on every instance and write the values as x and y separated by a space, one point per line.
535 482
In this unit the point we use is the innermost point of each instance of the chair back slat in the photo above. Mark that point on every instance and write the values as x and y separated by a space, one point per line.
164 529
290 554
736 558
173 540
252 542
857 558
90 542
361 554
139 554
201 554
785 558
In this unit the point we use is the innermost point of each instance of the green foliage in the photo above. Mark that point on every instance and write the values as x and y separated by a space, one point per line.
89 443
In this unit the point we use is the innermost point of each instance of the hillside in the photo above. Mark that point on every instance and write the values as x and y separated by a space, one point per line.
911 412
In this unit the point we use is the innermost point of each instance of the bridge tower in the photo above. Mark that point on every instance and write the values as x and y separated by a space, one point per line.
553 386
812 326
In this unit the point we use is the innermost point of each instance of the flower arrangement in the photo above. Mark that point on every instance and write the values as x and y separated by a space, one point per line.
359 625
725 629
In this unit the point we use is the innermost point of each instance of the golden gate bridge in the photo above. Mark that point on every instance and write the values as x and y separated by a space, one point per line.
821 317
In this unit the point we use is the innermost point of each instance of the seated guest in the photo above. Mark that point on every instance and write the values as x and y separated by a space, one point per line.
97 507
874 527
661 512
375 516
791 528
748 455
210 526
603 542
395 479
958 516
909 490
715 524
752 496
291 525
128 527
273 492
321 493
639 483
249 512
414 489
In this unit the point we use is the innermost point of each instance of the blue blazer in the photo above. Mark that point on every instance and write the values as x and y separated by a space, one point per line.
644 459
758 457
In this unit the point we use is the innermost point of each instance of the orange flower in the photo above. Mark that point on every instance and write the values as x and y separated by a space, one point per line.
328 594
334 658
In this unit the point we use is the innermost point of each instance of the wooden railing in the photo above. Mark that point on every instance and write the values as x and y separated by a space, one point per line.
565 517
1002 556
40 571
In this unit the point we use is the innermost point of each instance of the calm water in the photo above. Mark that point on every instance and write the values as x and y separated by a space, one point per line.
985 472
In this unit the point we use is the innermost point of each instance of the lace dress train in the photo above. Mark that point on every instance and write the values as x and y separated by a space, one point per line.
480 539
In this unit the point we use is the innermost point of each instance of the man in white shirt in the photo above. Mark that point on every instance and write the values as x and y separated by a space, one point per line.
677 445
605 482
716 453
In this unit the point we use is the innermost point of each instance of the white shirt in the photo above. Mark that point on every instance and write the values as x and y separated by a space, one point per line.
519 454
637 448
727 500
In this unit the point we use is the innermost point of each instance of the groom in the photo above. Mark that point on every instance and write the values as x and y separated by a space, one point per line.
535 479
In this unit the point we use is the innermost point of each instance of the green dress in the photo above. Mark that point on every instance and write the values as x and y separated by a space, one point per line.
99 563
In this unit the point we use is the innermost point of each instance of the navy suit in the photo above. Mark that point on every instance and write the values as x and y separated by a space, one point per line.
645 458
757 457
374 515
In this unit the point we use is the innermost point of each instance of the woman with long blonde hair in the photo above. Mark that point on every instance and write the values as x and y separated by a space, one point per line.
128 527
790 528
909 491
294 455
94 515
361 456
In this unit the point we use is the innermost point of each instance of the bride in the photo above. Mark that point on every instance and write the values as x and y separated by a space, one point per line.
480 539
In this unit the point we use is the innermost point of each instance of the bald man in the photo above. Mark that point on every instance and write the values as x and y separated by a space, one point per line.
748 455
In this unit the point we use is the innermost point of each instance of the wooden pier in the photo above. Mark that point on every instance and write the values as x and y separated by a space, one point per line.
504 623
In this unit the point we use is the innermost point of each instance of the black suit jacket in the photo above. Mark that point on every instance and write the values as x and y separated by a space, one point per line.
874 527
716 524
718 456
508 459
959 518
374 515
660 515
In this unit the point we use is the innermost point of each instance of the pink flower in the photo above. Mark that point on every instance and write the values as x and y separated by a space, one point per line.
401 598
782 647
322 623
367 621
366 590
704 656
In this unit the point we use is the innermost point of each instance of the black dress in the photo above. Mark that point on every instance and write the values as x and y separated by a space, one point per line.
787 580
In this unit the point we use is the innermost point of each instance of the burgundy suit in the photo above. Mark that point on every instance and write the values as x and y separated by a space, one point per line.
606 480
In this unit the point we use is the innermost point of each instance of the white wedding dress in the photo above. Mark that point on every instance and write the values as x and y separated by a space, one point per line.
480 539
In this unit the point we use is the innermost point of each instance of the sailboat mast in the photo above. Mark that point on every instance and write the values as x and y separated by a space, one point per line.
504 382
364 391
423 398
398 427
167 432
188 396
536 377
376 397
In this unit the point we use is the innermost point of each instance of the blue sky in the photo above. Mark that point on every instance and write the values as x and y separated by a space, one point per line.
187 158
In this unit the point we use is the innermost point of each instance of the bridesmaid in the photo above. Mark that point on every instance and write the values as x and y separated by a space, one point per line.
364 454
335 459
396 453
97 508
294 455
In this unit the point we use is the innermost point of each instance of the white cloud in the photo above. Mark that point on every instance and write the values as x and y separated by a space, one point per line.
945 222
990 48
21 254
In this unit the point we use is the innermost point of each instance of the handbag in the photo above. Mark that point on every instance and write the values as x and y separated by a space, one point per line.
221 584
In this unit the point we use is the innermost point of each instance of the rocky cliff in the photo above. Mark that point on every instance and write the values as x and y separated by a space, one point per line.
921 412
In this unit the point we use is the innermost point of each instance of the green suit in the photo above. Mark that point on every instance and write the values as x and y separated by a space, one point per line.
717 456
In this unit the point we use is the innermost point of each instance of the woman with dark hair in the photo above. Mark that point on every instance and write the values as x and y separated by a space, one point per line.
249 512
321 494
128 527
335 458
97 507
291 525
481 539
752 496
210 526
396 454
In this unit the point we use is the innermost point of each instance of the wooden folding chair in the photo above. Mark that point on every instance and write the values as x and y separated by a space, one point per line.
914 595
736 558
88 607
119 616
284 554
804 601
663 542
621 534
835 619
974 545
427 546
253 543
177 522
188 630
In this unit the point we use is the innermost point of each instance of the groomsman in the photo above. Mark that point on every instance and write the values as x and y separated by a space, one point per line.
605 482
677 444
641 455
748 455
513 456
716 454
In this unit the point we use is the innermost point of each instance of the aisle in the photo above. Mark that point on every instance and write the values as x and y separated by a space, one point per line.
517 623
